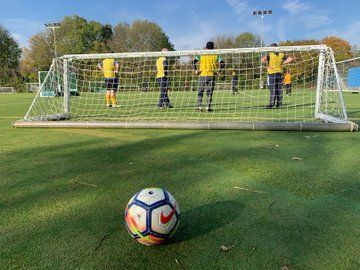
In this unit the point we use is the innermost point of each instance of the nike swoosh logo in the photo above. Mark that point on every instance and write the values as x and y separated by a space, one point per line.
166 219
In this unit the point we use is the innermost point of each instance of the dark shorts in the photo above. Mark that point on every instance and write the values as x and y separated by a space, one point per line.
111 84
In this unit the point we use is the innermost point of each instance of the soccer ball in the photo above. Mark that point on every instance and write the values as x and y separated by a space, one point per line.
152 216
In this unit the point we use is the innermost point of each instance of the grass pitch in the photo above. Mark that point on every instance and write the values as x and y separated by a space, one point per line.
63 192
246 105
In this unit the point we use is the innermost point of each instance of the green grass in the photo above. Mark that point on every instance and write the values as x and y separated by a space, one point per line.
301 214
246 106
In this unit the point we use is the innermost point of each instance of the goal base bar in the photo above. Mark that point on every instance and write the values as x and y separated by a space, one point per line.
279 126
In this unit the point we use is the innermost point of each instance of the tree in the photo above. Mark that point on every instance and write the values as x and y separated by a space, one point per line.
224 41
140 36
76 35
247 40
300 42
243 40
41 51
120 41
355 50
342 48
10 54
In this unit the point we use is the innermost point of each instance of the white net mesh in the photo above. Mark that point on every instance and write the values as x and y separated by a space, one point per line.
7 90
349 73
74 89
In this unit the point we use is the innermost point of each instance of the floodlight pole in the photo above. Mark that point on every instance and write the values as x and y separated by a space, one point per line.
53 26
261 13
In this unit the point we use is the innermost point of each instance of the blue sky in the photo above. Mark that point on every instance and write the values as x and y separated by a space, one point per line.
190 23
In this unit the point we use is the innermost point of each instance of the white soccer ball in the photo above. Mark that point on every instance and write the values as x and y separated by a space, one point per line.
152 216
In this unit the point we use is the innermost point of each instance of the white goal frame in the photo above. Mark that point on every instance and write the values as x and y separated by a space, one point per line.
7 90
343 79
32 87
328 122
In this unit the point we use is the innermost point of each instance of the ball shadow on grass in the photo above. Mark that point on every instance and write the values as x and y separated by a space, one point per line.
203 219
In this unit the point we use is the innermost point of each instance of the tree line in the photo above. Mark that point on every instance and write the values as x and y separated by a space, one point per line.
78 35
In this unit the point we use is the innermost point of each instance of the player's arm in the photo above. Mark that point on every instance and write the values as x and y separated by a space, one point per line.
194 62
221 67
265 59
288 59
100 66
221 63
117 66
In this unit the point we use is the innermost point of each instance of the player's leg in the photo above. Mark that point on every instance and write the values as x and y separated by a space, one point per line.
289 85
108 93
202 84
210 85
108 98
234 83
114 87
162 93
278 85
167 99
271 86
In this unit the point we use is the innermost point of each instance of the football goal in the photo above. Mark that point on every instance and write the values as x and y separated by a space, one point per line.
32 87
349 73
7 90
313 102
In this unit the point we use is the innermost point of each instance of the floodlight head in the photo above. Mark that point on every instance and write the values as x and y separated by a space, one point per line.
52 25
262 12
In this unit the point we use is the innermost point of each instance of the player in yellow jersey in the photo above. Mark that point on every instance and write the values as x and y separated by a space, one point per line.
162 77
210 65
110 68
275 61
287 82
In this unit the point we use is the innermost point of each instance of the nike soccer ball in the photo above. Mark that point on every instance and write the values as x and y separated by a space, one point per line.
152 216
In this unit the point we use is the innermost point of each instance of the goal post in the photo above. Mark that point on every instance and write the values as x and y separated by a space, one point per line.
349 74
7 90
313 101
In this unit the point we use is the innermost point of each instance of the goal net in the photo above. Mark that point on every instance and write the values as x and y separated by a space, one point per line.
7 90
32 87
349 73
73 92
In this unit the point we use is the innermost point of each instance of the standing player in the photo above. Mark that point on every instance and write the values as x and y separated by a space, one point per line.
162 70
275 61
208 68
287 82
234 82
110 68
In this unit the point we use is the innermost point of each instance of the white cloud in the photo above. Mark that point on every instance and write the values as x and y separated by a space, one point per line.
197 38
315 20
296 6
352 33
21 29
240 7
17 36
280 28
21 24
303 13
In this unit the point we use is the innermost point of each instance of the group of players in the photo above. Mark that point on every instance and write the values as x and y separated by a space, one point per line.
206 66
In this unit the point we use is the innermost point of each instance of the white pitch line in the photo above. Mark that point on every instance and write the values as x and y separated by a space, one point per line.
247 94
